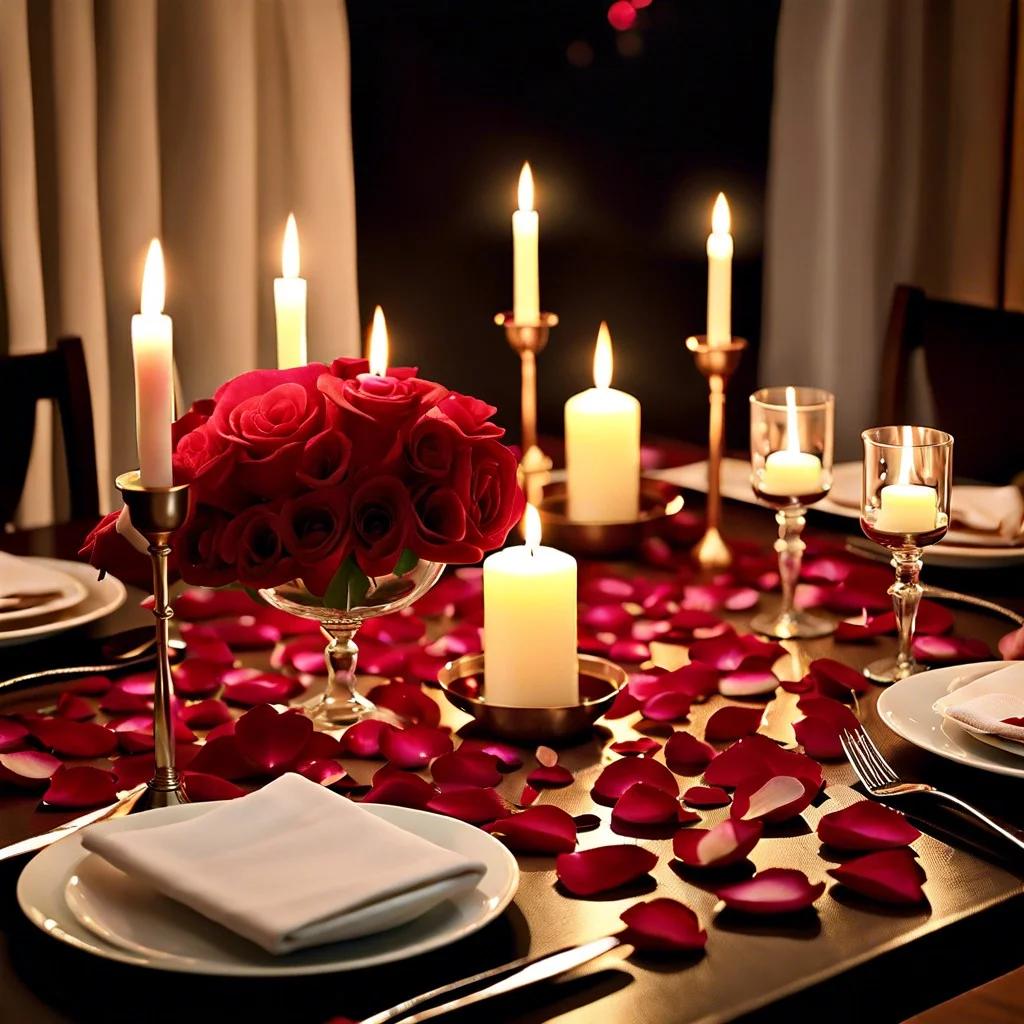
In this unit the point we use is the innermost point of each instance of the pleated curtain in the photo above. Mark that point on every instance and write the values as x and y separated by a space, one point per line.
203 122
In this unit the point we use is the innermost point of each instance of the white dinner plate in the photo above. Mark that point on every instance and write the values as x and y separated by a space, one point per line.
70 593
101 598
78 903
906 708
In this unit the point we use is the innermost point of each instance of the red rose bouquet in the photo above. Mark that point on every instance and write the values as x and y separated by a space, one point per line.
333 476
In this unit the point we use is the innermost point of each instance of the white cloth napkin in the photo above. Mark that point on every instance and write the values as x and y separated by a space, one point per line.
983 704
290 866
20 577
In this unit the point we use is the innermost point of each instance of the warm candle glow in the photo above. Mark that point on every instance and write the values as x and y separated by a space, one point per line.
378 353
720 219
153 281
531 529
906 455
526 189
603 358
792 429
290 249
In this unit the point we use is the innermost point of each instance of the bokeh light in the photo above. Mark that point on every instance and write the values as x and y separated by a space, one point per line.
580 54
629 44
621 15
640 4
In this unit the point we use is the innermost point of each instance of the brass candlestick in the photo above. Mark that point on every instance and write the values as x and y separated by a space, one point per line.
528 339
157 512
717 363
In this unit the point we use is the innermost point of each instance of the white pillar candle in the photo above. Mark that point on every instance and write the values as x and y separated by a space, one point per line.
905 507
290 303
720 275
790 472
526 274
602 447
530 656
153 354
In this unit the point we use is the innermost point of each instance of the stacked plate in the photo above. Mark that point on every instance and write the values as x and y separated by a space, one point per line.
43 596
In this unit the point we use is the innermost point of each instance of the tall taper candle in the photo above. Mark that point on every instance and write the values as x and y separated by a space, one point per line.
290 303
525 230
720 275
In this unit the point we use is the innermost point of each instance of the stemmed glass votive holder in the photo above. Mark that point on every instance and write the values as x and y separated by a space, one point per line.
791 451
907 482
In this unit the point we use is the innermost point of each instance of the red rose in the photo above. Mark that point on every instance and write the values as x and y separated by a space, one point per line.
253 542
204 459
432 445
198 413
469 415
439 521
199 546
109 551
326 457
494 499
381 511
317 530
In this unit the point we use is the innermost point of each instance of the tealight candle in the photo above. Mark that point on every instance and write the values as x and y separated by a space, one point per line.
905 507
719 327
602 447
526 273
290 303
530 658
790 472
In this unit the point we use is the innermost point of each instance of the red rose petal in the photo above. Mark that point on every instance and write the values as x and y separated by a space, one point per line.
223 757
466 767
91 686
940 650
696 679
206 714
645 631
402 790
834 679
686 620
475 806
832 711
629 651
250 686
547 777
866 825
80 787
131 769
363 738
135 734
772 798
866 586
668 706
646 805
286 623
70 705
706 796
210 649
602 868
540 830
587 644
224 729
242 634
889 876
414 747
606 590
12 734
758 755
197 677
744 683
805 685
508 757
74 739
729 651
270 739
819 738
1011 646
319 770
394 629
202 788
663 925
320 745
732 722
198 603
456 643
122 701
772 891
645 684
687 755
27 768
636 748
378 660
305 654
421 665
408 701
612 618
657 551
620 775
624 705
828 569
932 619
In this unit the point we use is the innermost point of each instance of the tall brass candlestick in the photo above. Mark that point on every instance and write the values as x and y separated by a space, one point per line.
157 512
528 340
717 363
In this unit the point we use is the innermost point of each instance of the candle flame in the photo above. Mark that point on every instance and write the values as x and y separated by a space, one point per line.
290 249
603 358
720 219
792 424
153 281
526 189
906 455
378 349
531 529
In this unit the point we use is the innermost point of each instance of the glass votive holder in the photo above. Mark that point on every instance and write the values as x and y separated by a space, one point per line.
908 478
791 449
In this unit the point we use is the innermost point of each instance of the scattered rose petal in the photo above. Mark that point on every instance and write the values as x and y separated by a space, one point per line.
687 755
528 796
1011 646
319 770
629 651
663 925
71 705
647 805
865 587
197 677
546 756
414 747
466 767
457 642
206 714
757 755
644 685
12 734
545 777
211 649
91 686
421 665
731 650
688 620
80 787
706 796
746 683
224 729
119 700
242 634
402 790
508 757
394 629
732 722
363 738
135 734
28 768
202 788
305 654
710 598
250 686
597 644
408 701
866 825
889 876
624 705
620 775
271 739
602 868
286 623
320 745
772 891
541 830
612 618
834 679
772 799
939 650
198 603
131 769
645 631
668 706
605 590
223 757
819 738
696 679
378 660
475 806
74 739
827 569
636 748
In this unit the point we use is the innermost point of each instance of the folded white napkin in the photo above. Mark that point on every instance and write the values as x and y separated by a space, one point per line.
983 703
20 577
290 866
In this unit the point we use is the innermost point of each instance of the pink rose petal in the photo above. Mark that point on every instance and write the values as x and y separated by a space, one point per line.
414 747
866 586
408 701
223 757
624 705
197 677
606 590
602 868
687 755
598 644
834 679
421 665
646 805
271 739
91 686
475 806
466 767
889 876
198 603
940 650
611 618
363 738
745 683
12 735
757 755
122 701
772 891
71 705
732 722
402 790
706 796
546 756
211 650
203 788
206 714
135 734
304 654
645 684
73 739
544 777
394 629
457 642
668 706
1011 646
286 623
319 770
932 619
636 748
629 651
828 569
539 830
645 631
250 686
378 660
696 679
772 798
866 825
244 633
81 787
687 620
509 759
29 769
730 650
620 775
663 925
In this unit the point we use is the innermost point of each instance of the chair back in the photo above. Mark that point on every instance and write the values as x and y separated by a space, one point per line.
974 362
58 375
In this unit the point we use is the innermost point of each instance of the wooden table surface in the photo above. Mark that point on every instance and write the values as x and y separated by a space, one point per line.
846 960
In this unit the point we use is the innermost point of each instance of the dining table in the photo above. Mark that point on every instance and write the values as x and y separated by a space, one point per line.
845 959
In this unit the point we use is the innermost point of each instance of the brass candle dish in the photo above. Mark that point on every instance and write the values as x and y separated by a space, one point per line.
464 684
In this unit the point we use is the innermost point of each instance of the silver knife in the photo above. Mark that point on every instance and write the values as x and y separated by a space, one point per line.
40 842
530 971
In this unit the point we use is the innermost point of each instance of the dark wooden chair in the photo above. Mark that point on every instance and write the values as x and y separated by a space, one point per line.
974 361
59 375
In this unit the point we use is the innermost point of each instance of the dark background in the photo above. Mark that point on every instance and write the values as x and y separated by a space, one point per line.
630 135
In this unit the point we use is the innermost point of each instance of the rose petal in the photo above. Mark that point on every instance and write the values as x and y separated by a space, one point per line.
269 738
668 706
378 660
731 650
198 603
624 705
70 705
828 569
135 735
866 825
1011 646
250 686
647 805
319 770
91 686
27 768
540 830
305 654
636 748
122 701
757 755
528 796
629 651
686 620
363 738
663 925
602 868
546 778
457 642
772 799
696 679
202 788
286 623
397 628
834 679
620 775
745 683
588 644
772 891
644 685
197 677
866 586
612 618
414 747
645 631
206 714
706 796
939 650
732 722
80 787
74 739
244 633
223 757
546 756
320 745
131 769
408 701
606 590
509 759
889 876
421 665
466 767
224 729
819 738
687 755
475 806
401 790
12 734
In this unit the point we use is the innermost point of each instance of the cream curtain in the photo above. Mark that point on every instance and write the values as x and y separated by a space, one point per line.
204 122
888 164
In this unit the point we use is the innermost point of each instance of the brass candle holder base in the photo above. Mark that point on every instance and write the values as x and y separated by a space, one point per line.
464 685
157 512
717 363
527 339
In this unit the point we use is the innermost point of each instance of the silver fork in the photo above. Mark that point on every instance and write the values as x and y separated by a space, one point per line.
882 782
